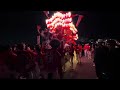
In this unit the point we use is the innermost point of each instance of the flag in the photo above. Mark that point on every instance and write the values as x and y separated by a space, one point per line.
79 20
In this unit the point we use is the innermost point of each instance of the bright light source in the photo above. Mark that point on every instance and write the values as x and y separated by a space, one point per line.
63 22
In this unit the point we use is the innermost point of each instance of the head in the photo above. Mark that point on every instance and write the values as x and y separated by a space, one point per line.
111 43
21 46
31 47
14 47
100 42
24 45
55 43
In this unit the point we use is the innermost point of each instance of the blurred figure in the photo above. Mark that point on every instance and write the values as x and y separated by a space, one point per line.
38 50
25 63
71 53
7 62
86 48
80 52
14 48
62 51
100 59
53 60
78 49
113 60
92 52
66 56
36 57
89 54
83 50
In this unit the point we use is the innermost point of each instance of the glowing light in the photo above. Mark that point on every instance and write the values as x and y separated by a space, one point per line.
69 14
63 22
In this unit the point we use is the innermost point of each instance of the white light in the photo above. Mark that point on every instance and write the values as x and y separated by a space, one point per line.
46 21
69 14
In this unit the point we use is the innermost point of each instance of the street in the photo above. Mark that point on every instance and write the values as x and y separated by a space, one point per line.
85 70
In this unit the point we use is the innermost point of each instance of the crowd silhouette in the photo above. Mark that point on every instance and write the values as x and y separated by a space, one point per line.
23 61
106 58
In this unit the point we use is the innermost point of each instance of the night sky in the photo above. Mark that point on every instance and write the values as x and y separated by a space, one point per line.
16 27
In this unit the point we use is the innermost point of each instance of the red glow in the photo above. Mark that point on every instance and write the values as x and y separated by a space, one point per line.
63 22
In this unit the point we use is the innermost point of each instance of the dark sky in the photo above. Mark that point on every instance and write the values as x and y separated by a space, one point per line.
18 27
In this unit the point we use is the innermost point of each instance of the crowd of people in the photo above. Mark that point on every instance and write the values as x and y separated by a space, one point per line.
40 61
106 57
22 61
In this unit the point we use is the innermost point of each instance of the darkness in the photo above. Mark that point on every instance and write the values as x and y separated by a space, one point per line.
18 27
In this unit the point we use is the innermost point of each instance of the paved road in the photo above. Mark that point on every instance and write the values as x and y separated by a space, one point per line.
84 71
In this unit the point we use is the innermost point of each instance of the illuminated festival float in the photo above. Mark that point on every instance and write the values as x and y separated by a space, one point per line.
61 26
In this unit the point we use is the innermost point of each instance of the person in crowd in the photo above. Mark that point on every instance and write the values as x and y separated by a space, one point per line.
30 49
80 52
78 49
113 60
25 63
88 47
89 53
38 50
71 53
100 59
61 50
14 47
8 61
53 60
66 56
82 49
36 57
92 52
85 50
